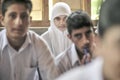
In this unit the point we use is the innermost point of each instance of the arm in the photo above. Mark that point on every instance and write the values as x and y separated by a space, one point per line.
46 64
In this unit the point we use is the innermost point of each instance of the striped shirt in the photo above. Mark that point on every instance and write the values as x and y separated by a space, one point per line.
67 60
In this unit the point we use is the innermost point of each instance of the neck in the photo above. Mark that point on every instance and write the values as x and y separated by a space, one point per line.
79 53
16 43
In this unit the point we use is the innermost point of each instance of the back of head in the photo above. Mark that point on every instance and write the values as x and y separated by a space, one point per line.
77 20
60 8
7 3
109 16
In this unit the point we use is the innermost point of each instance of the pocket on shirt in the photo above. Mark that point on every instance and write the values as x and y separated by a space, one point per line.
30 74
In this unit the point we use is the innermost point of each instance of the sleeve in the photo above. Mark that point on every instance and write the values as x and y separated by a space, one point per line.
46 64
63 62
60 63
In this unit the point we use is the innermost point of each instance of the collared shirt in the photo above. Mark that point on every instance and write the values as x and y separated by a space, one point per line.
67 60
22 64
91 71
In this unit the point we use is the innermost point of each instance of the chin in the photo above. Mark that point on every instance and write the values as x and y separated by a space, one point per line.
19 36
62 29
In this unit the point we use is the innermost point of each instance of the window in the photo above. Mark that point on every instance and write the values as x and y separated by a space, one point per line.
40 13
95 8
37 10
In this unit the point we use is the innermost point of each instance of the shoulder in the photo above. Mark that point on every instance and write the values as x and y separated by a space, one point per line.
46 37
88 72
36 39
62 57
2 34
45 34
39 44
63 61
33 35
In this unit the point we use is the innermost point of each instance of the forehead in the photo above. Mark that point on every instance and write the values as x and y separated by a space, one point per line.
81 30
61 16
17 7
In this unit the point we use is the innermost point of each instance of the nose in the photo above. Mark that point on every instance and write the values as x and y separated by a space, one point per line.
62 21
18 21
85 39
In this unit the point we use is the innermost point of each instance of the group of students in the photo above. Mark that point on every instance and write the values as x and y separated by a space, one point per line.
69 43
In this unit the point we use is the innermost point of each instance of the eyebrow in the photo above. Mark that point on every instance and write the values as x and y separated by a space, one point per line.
89 31
77 34
65 16
12 13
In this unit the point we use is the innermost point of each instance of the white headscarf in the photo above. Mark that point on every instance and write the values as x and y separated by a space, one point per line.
59 39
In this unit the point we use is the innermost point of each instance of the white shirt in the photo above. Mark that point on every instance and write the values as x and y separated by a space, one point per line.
92 71
22 64
68 59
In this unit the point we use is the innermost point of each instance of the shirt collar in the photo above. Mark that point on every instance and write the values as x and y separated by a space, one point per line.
28 38
5 40
26 43
74 55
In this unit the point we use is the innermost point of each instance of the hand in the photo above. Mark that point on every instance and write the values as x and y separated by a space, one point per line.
86 59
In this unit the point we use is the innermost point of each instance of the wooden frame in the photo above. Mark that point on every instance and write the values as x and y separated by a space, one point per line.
86 5
45 16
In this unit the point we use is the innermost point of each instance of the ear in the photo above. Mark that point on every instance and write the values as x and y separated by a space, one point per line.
30 19
70 37
2 19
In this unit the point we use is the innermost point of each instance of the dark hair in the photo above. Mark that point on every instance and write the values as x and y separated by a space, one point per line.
78 19
7 3
109 16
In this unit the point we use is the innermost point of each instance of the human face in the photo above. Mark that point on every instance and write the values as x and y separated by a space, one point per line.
60 22
82 38
16 21
109 49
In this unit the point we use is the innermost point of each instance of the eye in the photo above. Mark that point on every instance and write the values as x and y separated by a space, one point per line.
24 16
65 18
78 36
57 18
12 16
88 33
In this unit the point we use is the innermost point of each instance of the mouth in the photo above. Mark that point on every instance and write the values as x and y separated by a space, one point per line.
62 27
86 49
17 30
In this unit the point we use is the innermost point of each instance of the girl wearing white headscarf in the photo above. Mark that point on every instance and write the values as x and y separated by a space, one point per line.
55 37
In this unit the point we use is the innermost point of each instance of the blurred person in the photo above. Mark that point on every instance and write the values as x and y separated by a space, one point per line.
56 36
106 66
80 29
22 52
